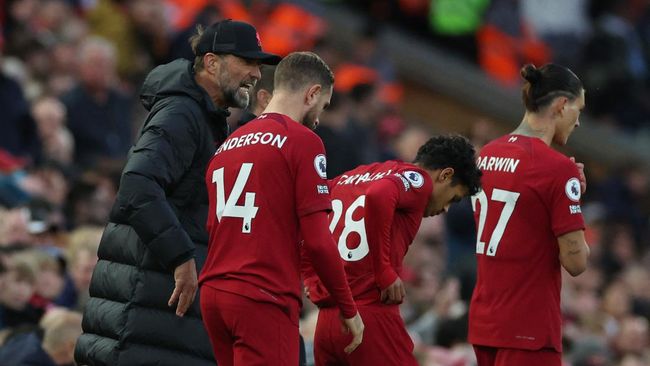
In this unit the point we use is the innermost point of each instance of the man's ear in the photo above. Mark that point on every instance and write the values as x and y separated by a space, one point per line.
211 63
446 174
559 105
263 98
311 97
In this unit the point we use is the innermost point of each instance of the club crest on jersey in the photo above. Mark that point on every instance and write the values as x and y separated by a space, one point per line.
572 189
416 179
320 164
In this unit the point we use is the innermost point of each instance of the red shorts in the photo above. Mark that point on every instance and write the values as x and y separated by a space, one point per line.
246 332
385 340
491 356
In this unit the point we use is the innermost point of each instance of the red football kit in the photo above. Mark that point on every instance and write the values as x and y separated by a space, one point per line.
265 181
377 211
530 196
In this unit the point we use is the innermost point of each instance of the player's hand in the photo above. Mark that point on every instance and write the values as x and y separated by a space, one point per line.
356 327
306 288
581 171
186 285
393 294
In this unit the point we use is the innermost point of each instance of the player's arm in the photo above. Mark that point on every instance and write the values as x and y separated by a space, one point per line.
574 252
566 216
313 287
321 249
382 199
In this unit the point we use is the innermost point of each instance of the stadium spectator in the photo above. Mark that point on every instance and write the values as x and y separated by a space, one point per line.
389 200
250 292
52 344
99 114
18 285
56 140
155 236
81 259
365 111
19 134
341 149
529 225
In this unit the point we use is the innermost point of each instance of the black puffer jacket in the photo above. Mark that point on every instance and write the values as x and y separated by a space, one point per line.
157 222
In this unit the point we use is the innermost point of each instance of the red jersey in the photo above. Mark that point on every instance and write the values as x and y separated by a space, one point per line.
530 197
264 177
376 212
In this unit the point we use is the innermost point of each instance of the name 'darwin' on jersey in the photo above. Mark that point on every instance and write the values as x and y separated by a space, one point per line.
497 164
264 138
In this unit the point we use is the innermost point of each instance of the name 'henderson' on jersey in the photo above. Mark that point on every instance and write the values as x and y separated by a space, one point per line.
264 174
530 197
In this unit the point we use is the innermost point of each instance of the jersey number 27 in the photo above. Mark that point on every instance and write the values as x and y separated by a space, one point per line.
509 199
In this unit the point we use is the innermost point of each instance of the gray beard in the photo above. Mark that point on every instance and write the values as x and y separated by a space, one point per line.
242 100
234 98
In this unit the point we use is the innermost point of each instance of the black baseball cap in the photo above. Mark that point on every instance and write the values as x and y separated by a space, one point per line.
235 38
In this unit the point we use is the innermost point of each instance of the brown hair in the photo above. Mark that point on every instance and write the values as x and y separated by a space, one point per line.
546 83
194 43
300 69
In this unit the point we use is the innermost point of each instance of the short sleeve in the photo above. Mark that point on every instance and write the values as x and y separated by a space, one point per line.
310 169
564 199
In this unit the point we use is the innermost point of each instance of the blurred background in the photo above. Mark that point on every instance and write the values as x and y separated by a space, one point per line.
70 72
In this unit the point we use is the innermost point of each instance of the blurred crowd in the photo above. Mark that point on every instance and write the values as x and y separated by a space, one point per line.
70 71
607 43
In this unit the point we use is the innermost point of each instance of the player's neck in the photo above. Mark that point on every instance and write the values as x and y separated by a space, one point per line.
287 104
533 126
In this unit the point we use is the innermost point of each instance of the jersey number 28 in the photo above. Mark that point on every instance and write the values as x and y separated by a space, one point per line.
510 200
351 226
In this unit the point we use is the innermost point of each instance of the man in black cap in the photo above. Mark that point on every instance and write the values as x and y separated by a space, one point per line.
142 308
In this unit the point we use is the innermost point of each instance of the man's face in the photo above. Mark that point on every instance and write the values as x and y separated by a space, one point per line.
17 292
97 70
323 101
444 194
237 77
570 120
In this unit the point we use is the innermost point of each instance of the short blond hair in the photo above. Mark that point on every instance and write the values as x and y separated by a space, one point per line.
82 239
60 327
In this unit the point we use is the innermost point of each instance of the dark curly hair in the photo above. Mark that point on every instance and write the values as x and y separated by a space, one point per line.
453 151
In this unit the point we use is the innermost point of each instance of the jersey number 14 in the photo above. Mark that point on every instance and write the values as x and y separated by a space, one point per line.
228 207
510 200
